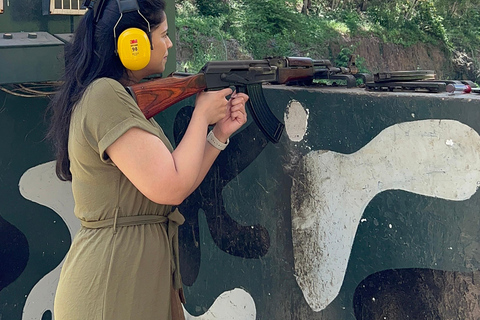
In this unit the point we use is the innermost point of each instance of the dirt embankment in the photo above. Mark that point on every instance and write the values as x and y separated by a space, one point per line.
384 57
377 56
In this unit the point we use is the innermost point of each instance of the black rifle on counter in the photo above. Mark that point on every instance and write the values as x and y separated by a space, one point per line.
246 76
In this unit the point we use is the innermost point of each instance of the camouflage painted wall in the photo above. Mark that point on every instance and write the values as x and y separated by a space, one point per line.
366 209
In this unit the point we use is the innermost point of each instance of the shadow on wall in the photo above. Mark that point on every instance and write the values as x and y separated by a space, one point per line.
14 253
418 294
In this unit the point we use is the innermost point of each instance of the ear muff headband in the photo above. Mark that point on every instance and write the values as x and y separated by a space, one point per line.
133 45
90 4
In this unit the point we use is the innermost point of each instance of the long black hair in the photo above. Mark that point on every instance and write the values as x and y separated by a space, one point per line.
90 56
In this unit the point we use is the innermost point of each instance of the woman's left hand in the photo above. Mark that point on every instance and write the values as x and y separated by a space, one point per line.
235 118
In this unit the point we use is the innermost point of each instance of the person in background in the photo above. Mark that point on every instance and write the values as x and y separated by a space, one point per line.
126 177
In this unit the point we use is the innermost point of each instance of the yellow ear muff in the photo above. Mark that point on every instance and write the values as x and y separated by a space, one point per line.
133 48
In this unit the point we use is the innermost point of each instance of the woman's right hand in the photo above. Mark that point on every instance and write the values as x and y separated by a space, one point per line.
212 105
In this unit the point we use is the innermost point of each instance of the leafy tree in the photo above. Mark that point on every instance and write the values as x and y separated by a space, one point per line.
305 27
212 8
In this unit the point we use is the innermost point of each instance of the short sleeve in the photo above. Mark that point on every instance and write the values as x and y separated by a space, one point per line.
108 111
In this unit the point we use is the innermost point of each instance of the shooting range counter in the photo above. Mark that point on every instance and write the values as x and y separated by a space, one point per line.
367 208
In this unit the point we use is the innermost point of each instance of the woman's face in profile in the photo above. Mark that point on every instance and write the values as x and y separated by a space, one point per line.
160 43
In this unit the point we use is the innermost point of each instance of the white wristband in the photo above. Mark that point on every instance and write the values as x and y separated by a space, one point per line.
215 142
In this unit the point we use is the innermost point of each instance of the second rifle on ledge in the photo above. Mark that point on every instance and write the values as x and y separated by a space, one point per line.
246 76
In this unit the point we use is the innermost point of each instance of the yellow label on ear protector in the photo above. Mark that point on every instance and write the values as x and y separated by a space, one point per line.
134 49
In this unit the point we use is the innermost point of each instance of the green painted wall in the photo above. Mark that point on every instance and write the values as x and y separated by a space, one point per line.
410 166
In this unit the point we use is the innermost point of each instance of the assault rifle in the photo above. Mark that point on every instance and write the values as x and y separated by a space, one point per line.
246 76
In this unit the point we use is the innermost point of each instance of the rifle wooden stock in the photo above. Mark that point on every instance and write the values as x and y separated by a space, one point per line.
155 96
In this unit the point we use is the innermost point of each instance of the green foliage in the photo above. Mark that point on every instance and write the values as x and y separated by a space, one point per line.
430 22
407 22
204 37
355 22
278 27
266 27
261 27
343 59
461 20
212 8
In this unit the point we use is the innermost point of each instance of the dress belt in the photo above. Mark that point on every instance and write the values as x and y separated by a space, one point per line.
174 219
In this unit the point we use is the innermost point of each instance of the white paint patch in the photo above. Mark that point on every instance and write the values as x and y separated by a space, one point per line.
41 185
330 191
236 304
296 120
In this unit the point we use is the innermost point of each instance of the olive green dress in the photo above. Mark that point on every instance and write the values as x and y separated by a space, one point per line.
122 262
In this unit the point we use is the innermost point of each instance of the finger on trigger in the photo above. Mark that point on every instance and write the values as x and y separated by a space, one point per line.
227 92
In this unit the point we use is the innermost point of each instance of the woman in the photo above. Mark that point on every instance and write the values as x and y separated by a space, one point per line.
123 263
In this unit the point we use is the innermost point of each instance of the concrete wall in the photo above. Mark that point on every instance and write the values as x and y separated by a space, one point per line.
367 208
